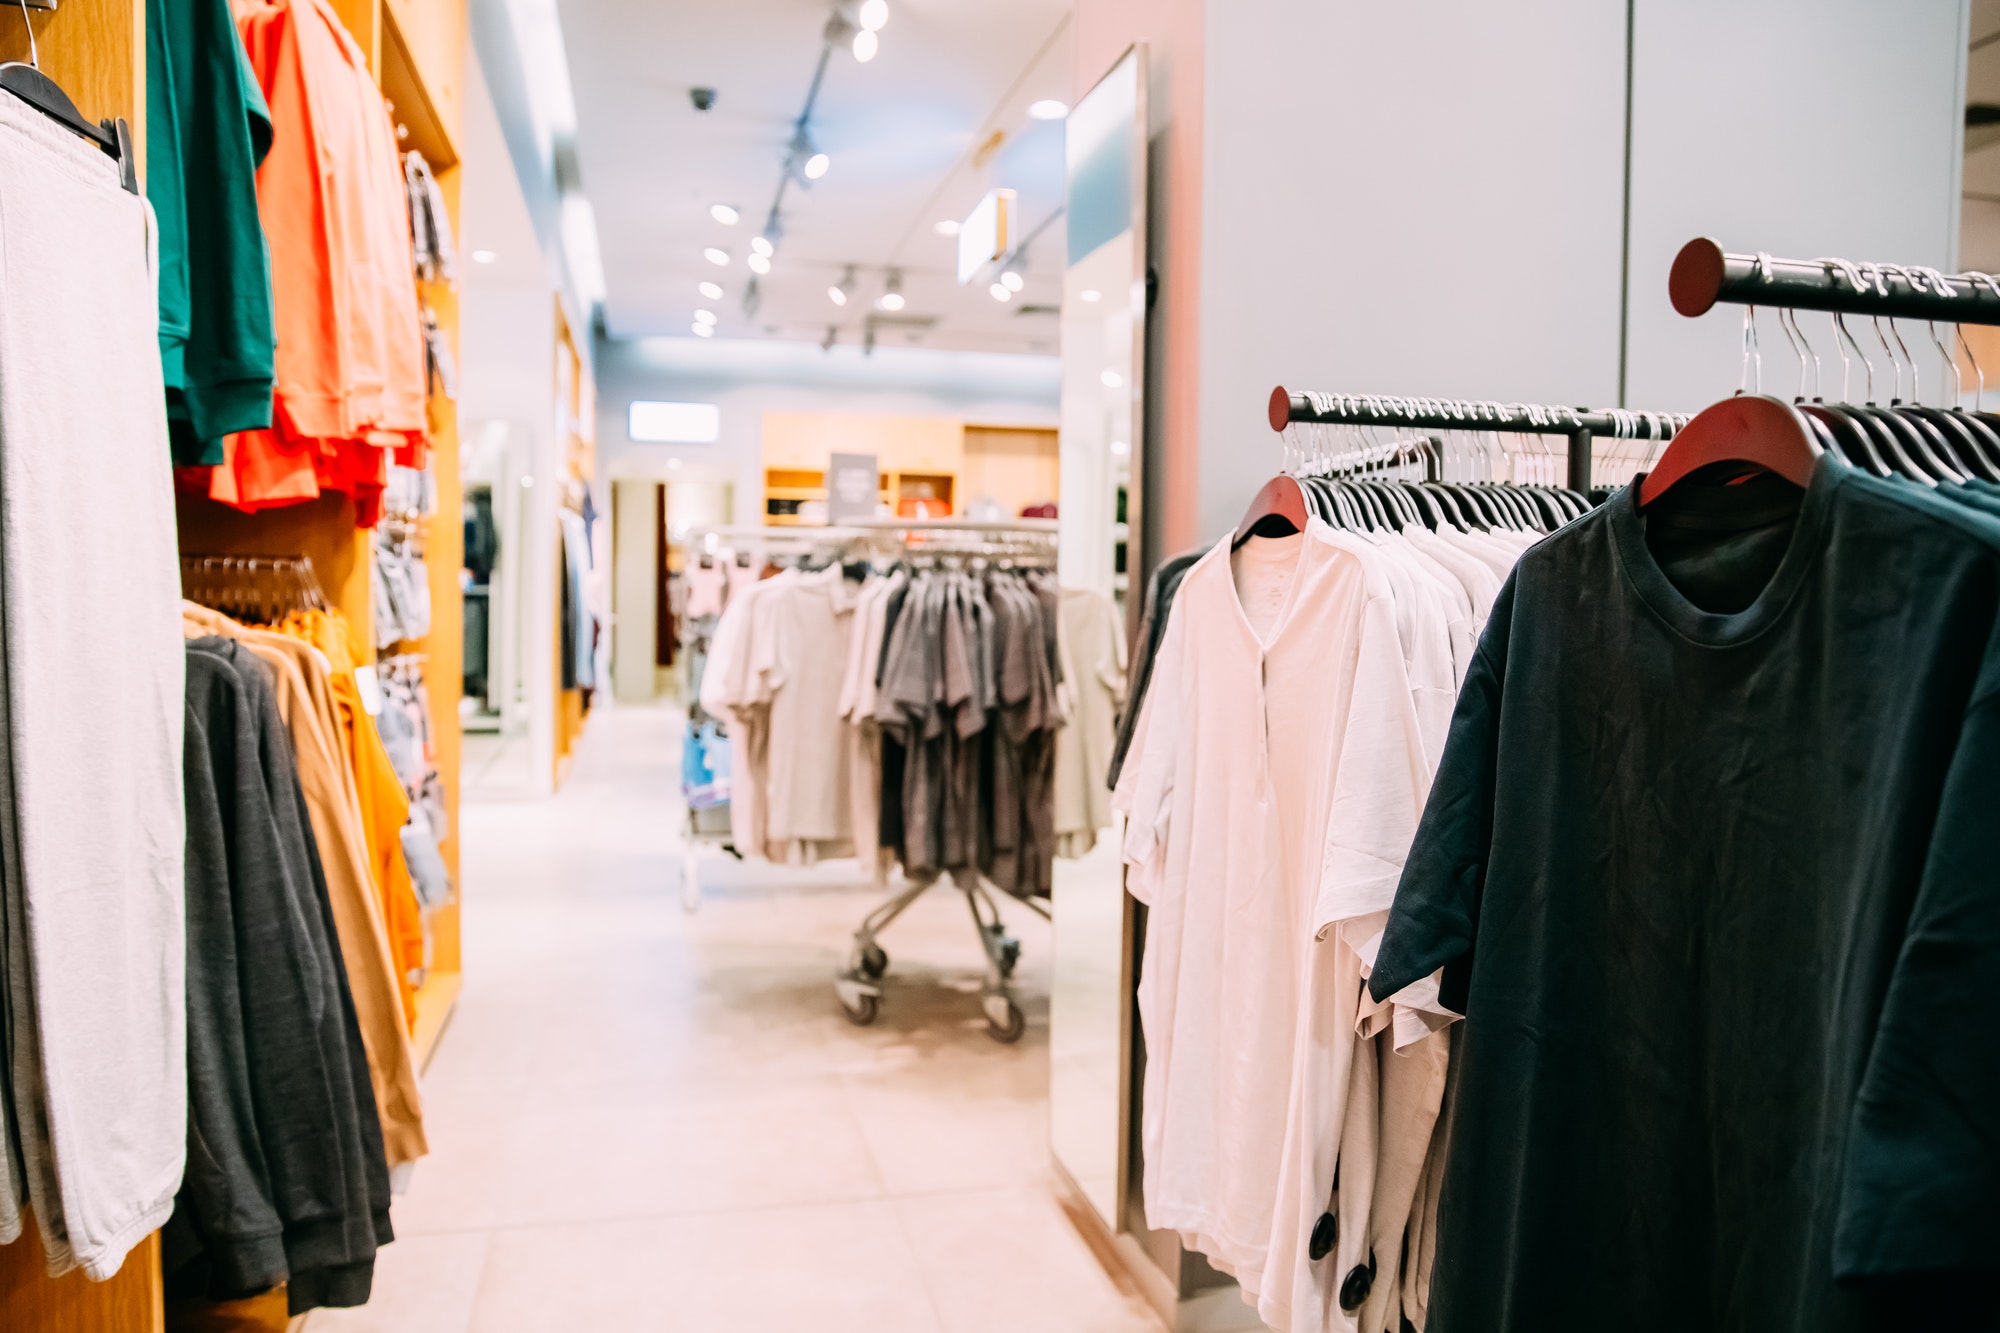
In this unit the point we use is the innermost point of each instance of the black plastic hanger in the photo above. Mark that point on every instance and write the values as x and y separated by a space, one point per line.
43 93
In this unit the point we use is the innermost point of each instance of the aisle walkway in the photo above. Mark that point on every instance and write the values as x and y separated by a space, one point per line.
643 1120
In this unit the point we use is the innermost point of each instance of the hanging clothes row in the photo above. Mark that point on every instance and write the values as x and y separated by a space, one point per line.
1295 704
290 321
291 1181
1708 868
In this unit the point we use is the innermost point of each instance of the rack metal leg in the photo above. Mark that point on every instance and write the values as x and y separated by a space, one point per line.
858 984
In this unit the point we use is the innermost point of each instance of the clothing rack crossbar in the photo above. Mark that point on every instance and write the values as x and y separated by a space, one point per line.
1580 425
1704 274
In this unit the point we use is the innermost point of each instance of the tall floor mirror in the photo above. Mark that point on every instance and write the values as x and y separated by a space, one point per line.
1103 346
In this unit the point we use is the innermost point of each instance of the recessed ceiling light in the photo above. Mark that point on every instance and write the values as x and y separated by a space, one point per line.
1121 447
1000 293
675 463
759 263
485 257
1012 281
816 166
874 14
1091 294
762 246
704 330
717 257
724 214
712 290
1112 379
866 44
704 317
1047 109
949 227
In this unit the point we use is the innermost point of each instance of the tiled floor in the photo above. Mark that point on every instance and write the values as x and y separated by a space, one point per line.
646 1120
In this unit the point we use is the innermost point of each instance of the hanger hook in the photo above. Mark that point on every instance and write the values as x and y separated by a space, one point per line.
1751 356
1946 358
34 56
1867 366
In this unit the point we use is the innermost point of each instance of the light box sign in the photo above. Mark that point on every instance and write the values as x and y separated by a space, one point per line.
982 237
673 423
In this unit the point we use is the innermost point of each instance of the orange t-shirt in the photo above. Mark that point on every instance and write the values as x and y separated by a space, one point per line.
351 382
385 807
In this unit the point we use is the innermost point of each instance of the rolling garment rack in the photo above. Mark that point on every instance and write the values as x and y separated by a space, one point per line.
858 985
921 543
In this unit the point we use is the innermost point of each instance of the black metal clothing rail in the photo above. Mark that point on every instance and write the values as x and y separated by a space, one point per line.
1704 275
1580 425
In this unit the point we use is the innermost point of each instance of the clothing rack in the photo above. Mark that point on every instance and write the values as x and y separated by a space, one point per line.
1579 425
252 588
1703 275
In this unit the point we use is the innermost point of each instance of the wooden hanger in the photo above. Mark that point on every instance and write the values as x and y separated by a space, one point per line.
1277 510
1749 428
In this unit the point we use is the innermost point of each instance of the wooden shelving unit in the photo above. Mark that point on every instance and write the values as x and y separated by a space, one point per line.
96 49
789 486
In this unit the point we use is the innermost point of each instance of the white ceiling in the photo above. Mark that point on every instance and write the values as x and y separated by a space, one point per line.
902 132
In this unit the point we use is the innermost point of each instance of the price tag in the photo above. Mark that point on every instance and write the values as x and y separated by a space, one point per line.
371 690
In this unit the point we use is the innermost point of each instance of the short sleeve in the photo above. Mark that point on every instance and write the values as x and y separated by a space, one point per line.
1922 1184
1434 919
1145 789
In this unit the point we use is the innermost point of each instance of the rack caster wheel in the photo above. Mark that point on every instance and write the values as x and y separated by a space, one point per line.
1010 955
874 962
1004 1020
861 1009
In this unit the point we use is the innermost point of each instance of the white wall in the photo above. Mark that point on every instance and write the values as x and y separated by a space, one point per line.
1845 141
1410 199
746 379
1430 199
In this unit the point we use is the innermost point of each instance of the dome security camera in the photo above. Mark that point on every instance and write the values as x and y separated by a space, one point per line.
703 98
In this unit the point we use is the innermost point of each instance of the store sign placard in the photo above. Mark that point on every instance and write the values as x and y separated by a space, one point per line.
982 237
853 487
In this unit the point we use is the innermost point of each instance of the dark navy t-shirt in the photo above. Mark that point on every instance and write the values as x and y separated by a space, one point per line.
1712 866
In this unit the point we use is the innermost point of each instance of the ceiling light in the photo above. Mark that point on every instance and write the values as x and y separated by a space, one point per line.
712 290
1112 379
832 336
1091 295
1047 109
866 44
1000 293
675 463
717 257
704 330
1012 281
759 263
704 317
1121 447
484 257
874 14
837 296
949 227
724 214
892 292
761 245
804 162
839 292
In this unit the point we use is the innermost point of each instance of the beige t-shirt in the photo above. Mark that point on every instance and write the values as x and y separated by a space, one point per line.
797 659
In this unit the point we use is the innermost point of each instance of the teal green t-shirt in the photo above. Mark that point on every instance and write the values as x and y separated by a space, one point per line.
207 130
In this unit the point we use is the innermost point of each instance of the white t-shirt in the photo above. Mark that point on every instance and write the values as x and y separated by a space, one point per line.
1272 804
